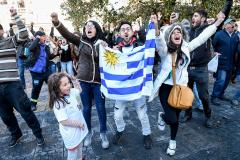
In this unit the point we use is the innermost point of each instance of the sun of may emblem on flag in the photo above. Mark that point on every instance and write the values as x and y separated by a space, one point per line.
111 58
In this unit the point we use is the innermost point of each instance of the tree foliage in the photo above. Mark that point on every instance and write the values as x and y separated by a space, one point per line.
79 11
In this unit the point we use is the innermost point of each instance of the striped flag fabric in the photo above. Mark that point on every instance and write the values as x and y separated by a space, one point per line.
128 76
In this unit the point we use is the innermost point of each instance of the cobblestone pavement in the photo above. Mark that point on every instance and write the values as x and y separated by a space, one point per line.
194 141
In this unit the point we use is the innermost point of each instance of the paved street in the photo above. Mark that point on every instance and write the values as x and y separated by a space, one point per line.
194 141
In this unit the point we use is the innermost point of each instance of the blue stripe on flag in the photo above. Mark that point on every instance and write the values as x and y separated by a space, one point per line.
151 26
127 90
149 62
148 44
134 64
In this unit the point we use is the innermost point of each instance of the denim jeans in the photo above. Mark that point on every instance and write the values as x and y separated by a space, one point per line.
92 91
52 67
141 108
237 94
67 67
222 80
21 69
13 95
196 96
199 76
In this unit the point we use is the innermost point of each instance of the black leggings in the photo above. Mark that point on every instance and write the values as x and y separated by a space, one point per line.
171 114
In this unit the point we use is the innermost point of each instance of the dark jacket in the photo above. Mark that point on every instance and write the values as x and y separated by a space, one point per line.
35 53
66 55
227 46
88 63
201 55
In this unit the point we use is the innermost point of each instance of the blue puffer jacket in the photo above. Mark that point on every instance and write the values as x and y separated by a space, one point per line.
227 46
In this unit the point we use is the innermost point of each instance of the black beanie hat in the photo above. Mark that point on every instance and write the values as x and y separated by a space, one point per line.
1 27
39 33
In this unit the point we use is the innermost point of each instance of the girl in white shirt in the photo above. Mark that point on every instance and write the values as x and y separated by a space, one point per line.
64 102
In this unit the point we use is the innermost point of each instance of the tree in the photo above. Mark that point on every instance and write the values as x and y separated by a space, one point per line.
78 11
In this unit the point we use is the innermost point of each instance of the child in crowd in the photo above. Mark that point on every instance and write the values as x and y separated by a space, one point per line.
64 102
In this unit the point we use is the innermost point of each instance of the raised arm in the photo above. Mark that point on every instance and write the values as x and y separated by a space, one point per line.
34 44
64 31
22 34
161 45
206 34
226 10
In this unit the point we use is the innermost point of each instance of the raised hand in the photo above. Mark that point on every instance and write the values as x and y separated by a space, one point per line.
174 17
220 18
54 16
13 11
153 19
159 14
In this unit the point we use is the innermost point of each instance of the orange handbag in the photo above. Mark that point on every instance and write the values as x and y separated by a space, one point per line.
180 97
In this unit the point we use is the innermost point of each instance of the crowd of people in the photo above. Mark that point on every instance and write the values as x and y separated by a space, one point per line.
61 61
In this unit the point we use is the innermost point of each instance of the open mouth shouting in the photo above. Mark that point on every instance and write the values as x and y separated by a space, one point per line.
90 30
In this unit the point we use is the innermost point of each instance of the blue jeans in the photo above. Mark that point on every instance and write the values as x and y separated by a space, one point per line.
222 80
67 67
92 91
52 67
237 94
21 69
196 96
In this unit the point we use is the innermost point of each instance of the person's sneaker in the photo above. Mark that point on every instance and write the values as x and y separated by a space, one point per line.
171 148
88 139
199 108
117 137
40 140
33 107
147 140
105 142
235 102
211 123
215 102
161 123
14 140
225 98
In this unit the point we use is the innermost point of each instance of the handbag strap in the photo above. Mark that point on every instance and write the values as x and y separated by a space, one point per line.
174 68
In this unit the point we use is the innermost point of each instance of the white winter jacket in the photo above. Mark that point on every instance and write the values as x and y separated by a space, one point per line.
165 75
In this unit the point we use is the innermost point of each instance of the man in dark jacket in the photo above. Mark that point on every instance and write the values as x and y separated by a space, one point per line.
39 61
198 68
225 42
11 90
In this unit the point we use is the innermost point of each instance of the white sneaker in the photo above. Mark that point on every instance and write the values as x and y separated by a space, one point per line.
88 139
161 123
105 142
171 148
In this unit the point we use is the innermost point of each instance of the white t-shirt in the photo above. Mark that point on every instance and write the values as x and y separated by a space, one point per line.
72 136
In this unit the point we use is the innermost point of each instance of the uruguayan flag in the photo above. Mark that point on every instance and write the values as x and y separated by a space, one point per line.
128 76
